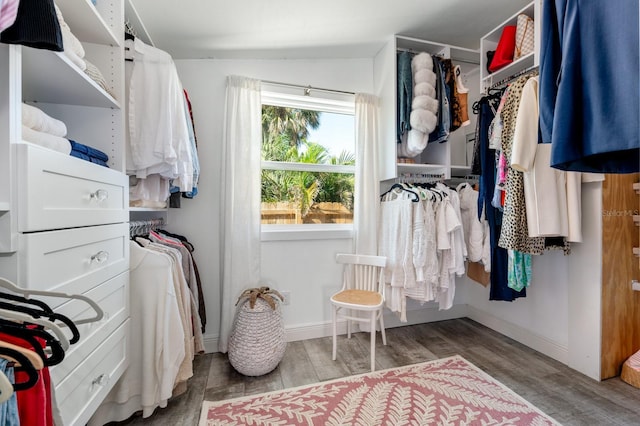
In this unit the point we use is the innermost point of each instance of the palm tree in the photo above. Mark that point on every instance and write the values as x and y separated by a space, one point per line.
292 122
285 132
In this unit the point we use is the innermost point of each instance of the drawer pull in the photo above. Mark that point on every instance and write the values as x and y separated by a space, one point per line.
100 257
101 380
99 195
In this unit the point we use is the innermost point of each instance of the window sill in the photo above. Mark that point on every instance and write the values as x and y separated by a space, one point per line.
327 231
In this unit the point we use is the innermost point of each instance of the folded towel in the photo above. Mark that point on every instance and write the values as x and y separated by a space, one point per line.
79 154
89 151
36 119
77 60
98 162
46 140
69 40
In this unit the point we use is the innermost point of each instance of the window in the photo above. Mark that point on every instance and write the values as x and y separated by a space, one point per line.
308 159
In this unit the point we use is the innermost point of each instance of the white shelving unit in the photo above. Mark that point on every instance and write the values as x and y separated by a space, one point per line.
448 158
490 42
63 220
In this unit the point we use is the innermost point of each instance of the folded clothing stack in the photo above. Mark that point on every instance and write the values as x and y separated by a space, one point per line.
44 130
72 47
88 153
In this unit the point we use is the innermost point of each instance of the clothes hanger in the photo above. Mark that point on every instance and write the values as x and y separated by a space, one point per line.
400 186
8 285
19 316
25 365
21 299
6 388
34 358
31 336
51 316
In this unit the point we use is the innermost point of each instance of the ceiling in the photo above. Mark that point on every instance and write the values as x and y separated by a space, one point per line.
301 29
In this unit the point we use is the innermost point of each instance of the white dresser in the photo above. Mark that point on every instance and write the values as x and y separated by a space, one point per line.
63 220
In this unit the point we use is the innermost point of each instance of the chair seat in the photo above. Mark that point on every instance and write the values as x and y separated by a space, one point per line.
358 297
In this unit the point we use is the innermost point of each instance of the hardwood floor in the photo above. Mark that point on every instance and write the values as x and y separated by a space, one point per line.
566 395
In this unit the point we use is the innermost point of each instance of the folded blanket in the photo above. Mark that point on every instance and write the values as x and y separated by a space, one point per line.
89 151
36 119
95 74
46 140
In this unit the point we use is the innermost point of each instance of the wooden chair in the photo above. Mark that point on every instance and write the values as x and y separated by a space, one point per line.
362 290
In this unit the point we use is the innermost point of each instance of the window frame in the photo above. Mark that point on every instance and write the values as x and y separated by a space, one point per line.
317 100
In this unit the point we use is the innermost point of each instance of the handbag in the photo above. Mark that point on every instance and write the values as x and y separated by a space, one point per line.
524 36
505 48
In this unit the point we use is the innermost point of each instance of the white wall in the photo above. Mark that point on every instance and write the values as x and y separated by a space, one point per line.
306 269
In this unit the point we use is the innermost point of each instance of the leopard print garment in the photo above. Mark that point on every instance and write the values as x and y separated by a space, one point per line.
515 234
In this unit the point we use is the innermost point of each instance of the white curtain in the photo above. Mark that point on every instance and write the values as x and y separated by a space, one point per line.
367 186
240 225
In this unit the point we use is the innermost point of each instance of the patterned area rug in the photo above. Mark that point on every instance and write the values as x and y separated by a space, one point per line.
449 391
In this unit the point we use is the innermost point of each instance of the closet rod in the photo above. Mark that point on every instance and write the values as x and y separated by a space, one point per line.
466 61
513 77
277 83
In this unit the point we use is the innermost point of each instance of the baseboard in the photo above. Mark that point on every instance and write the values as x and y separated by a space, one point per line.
211 343
526 337
415 316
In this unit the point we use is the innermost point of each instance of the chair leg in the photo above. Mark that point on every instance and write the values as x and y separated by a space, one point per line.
334 320
384 335
349 313
373 340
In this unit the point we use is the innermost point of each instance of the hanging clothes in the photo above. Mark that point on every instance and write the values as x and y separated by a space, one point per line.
9 408
589 103
405 93
158 141
157 334
499 289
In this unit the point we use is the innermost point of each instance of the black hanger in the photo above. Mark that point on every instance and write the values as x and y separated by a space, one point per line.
35 313
129 36
22 299
30 335
404 188
25 365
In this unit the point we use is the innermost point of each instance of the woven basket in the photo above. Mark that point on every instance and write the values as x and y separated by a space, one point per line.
631 370
256 343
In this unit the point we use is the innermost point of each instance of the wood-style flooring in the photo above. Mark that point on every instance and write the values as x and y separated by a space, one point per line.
566 395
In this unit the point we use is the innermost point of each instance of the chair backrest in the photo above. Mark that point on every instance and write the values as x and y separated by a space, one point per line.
363 272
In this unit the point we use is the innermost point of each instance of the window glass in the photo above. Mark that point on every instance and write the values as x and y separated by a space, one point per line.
308 163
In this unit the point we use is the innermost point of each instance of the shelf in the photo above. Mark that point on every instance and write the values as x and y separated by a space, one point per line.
50 77
455 53
131 15
5 206
460 170
494 36
86 23
515 67
421 168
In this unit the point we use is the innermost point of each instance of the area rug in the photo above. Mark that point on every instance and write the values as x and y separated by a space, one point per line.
448 391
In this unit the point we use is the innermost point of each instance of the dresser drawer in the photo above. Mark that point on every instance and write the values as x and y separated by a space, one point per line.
81 392
113 299
59 191
73 260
